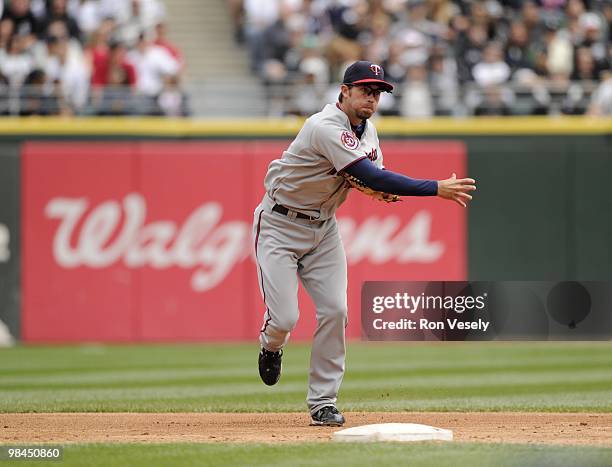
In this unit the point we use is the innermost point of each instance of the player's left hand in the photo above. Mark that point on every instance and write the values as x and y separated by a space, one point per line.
456 189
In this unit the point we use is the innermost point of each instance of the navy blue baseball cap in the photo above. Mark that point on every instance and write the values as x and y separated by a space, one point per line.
364 72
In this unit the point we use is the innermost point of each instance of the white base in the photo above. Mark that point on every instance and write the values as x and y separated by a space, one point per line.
393 432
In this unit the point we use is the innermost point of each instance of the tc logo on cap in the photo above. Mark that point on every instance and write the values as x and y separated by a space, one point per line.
363 72
376 69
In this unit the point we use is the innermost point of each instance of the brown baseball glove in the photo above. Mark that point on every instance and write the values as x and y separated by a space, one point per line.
354 182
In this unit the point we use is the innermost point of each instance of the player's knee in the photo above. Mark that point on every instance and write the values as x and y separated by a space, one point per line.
286 323
335 311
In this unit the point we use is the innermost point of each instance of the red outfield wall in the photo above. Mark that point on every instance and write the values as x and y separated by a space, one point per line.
148 241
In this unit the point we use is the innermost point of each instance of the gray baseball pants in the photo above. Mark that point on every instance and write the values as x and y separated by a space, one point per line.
286 248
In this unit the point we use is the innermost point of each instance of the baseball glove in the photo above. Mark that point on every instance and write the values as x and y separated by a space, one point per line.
354 182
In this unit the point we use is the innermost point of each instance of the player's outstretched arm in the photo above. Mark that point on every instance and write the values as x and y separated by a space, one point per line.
456 189
390 182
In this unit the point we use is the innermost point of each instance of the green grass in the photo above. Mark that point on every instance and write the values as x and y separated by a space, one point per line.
387 376
392 454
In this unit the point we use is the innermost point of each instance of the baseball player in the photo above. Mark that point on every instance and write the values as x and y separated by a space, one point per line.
296 234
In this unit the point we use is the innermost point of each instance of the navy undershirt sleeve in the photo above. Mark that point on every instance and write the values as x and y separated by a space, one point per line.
391 182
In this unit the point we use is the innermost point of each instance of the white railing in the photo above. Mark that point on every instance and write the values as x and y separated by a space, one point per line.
235 99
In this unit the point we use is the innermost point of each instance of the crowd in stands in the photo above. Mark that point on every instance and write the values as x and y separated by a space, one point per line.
446 57
88 57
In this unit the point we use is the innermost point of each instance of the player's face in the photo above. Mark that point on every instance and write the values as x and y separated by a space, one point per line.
363 99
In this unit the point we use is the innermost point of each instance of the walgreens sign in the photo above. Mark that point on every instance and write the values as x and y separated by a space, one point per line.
153 241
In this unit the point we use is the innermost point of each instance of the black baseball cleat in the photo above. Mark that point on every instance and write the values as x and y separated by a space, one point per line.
270 366
327 416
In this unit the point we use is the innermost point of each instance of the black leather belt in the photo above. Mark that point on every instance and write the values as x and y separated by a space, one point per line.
283 210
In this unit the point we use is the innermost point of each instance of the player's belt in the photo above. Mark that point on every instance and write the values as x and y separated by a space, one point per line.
284 211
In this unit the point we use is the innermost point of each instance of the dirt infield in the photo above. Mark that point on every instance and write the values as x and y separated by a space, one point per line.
510 427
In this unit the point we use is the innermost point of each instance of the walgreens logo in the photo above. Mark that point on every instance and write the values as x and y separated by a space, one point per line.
98 236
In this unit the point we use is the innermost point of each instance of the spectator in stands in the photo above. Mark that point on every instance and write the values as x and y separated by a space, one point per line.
518 53
172 101
316 18
39 8
15 62
117 95
161 40
58 12
118 65
119 11
417 101
7 29
395 70
88 17
530 14
591 26
310 92
545 44
277 40
402 34
443 82
584 66
601 100
287 43
24 22
458 26
134 25
377 43
559 54
69 73
109 58
491 70
96 54
487 15
114 99
348 22
443 11
258 16
349 19
415 48
573 11
113 80
376 10
153 65
39 44
418 20
58 28
36 97
469 48
150 12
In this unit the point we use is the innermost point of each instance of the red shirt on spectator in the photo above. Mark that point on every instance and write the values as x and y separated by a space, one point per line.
99 61
130 72
102 61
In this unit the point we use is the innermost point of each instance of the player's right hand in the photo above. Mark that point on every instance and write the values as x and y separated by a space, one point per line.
456 189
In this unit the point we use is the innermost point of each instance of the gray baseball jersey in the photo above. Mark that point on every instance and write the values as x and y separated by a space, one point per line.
305 180
305 177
